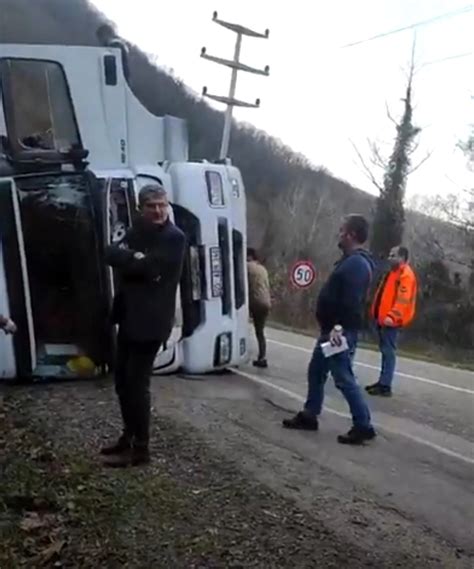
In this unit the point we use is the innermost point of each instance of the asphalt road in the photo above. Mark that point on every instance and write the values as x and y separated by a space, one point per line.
411 490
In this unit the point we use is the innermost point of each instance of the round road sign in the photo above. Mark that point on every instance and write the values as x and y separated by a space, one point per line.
303 274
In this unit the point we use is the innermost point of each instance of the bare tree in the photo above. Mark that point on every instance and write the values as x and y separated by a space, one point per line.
389 212
389 218
456 207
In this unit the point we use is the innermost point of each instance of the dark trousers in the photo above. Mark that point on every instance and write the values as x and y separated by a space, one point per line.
259 317
132 383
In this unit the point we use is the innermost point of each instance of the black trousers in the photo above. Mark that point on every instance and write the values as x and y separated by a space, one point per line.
259 317
133 368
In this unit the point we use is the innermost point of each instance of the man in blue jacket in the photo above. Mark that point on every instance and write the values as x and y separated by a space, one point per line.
339 312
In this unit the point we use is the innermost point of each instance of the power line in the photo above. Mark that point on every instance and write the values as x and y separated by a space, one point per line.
449 58
464 10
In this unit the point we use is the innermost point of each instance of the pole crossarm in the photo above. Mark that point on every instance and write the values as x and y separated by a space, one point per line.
235 64
238 29
231 101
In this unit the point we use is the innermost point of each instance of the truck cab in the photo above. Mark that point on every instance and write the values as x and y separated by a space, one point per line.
76 146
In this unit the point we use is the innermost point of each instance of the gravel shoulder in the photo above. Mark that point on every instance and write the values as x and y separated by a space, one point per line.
203 503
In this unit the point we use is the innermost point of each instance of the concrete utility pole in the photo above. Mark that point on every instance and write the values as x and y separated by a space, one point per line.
236 66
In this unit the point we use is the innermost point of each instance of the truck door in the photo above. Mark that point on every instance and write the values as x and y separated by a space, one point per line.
16 279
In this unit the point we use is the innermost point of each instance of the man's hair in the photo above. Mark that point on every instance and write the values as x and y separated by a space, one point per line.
358 226
403 252
252 253
151 192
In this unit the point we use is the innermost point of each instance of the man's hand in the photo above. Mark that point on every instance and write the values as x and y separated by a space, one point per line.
335 336
388 322
138 256
10 327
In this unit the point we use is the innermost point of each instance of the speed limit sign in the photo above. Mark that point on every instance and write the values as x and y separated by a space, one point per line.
303 274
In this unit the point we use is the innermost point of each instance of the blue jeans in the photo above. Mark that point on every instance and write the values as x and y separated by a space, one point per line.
342 372
388 347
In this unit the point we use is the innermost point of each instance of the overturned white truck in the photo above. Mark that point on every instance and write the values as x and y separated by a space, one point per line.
76 145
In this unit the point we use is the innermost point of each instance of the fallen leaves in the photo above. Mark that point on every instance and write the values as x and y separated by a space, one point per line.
32 521
44 542
50 552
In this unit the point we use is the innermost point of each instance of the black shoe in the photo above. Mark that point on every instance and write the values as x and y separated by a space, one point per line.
377 389
260 363
121 460
357 436
140 455
121 446
301 421
133 456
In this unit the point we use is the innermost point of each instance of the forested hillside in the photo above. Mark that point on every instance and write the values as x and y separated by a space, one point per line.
294 208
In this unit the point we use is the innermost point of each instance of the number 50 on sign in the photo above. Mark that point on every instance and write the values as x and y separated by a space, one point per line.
302 274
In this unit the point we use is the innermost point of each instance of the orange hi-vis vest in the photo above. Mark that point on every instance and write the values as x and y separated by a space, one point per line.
396 297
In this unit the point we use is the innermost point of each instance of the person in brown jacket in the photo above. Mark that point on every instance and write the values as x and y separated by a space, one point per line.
259 303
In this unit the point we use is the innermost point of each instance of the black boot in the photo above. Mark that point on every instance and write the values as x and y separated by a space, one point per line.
301 421
140 455
124 444
357 436
378 389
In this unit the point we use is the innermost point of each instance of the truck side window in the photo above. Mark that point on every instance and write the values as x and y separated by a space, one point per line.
120 208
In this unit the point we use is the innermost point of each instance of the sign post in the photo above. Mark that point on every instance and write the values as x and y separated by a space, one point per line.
302 274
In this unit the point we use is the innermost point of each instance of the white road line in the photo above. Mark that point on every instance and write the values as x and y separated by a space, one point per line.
300 399
400 374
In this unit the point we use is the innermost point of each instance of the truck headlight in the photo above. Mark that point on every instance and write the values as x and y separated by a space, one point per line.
242 346
215 190
235 188
217 280
223 349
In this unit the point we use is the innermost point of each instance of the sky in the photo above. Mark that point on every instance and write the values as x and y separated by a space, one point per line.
321 98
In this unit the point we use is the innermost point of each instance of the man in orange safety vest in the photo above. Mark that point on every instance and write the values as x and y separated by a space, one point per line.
393 308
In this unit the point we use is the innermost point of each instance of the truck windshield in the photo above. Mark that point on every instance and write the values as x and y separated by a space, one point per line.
64 269
39 110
